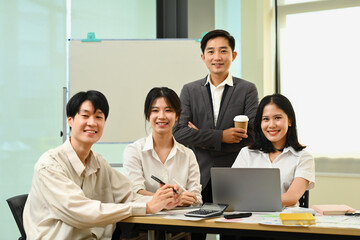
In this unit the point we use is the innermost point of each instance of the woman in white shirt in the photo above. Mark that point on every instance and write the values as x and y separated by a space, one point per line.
276 145
160 154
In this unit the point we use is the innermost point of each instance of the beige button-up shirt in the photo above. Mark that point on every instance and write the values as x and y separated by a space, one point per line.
71 201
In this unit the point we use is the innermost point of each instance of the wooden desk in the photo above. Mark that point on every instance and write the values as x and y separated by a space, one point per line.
243 229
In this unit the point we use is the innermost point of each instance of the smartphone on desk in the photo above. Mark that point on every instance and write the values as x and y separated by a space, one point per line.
237 215
208 210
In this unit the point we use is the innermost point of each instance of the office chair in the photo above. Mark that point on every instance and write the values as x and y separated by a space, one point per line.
304 200
16 205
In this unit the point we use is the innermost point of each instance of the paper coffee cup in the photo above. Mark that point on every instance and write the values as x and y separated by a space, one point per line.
241 121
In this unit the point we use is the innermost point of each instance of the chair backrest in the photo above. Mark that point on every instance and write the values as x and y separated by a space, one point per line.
304 200
17 205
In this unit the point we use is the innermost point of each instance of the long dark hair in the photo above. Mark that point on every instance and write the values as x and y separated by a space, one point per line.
261 142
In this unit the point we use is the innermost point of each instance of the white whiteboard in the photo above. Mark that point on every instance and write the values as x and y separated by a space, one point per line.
125 71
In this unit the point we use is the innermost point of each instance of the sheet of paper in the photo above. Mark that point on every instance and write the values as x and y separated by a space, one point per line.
256 218
178 214
267 218
338 221
182 217
321 221
177 211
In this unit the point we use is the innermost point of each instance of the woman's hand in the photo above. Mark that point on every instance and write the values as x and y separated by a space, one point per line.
164 198
187 199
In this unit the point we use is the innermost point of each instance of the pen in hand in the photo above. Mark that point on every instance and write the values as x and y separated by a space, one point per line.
184 190
161 182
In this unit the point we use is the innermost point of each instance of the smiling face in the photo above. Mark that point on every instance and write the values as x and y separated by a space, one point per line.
274 125
162 117
87 125
218 56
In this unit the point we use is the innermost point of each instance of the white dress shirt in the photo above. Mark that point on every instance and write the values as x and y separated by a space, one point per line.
140 161
292 164
71 201
216 94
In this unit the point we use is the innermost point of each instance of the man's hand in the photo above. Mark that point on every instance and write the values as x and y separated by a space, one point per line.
164 198
191 125
233 135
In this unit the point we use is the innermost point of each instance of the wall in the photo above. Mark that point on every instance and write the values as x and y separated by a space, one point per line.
114 19
336 189
201 17
228 17
258 44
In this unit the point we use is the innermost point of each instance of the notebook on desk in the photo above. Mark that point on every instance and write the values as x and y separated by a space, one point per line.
247 189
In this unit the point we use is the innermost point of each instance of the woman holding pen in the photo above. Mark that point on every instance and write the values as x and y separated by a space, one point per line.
160 155
276 145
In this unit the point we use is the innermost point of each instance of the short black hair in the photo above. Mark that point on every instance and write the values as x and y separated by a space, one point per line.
95 97
261 142
170 96
217 33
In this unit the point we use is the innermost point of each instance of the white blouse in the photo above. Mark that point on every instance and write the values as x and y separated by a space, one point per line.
141 161
292 164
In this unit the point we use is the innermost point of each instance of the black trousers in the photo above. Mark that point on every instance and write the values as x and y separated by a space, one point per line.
125 230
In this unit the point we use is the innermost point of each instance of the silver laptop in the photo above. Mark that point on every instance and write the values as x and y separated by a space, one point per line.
247 189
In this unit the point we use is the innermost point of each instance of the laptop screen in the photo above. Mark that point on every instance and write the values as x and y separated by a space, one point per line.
247 189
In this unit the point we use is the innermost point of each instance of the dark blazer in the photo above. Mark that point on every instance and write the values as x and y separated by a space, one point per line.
240 99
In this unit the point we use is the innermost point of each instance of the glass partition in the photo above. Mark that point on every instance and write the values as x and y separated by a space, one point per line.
114 19
319 58
32 74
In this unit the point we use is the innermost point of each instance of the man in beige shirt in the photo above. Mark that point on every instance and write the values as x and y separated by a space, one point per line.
75 193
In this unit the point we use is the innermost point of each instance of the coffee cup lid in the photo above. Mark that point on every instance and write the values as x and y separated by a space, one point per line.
241 118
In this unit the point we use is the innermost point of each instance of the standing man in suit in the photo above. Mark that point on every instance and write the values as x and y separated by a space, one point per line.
209 106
